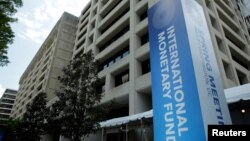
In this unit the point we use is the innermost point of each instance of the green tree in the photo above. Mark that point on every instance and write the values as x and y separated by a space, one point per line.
33 123
9 129
7 9
77 111
54 122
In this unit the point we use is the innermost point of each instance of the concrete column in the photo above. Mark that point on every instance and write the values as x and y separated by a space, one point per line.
132 48
109 83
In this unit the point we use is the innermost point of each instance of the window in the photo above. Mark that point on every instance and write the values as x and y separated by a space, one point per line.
81 35
91 39
93 24
7 101
80 44
214 22
6 106
115 37
220 44
240 59
9 96
95 11
144 15
86 9
240 62
114 21
39 87
10 91
118 112
82 26
236 41
228 71
4 116
32 88
144 38
101 87
122 78
85 17
111 8
42 77
145 66
104 2
78 54
20 111
5 111
114 59
34 80
242 77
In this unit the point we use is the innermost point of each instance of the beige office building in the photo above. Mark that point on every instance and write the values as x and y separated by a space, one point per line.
41 74
6 103
117 32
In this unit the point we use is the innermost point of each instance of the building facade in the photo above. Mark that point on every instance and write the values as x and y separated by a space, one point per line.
41 74
6 103
117 32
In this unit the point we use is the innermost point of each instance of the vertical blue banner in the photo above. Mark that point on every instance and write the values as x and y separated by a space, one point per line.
178 107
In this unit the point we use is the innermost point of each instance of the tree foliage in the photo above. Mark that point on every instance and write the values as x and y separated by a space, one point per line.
53 122
9 129
7 9
76 108
33 123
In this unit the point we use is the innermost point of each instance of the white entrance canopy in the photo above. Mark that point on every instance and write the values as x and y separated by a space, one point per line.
238 93
127 119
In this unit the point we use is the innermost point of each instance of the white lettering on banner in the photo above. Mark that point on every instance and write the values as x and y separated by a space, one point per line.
172 87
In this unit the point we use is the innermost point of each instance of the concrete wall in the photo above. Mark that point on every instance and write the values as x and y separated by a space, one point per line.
41 74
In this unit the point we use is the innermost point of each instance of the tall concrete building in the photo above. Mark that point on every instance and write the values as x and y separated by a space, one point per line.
231 40
244 6
6 103
117 32
41 74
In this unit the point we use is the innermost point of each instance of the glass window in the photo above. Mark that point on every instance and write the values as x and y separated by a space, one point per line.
118 58
145 66
113 59
122 78
144 38
125 54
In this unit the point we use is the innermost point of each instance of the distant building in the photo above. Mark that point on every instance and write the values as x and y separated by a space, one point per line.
41 74
6 103
244 6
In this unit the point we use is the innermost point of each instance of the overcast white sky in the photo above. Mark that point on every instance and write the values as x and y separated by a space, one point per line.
246 10
35 20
